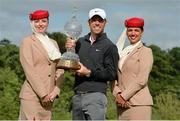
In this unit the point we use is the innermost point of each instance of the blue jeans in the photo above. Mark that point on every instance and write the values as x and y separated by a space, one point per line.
89 106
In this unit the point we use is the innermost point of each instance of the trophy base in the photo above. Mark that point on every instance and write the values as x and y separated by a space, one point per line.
68 64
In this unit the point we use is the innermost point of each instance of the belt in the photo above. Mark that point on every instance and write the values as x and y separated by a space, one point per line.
81 92
85 92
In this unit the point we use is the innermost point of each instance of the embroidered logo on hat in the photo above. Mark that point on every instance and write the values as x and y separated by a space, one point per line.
97 11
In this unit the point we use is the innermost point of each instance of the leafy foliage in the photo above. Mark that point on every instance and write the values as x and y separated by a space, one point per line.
60 39
9 57
163 75
167 106
62 106
9 90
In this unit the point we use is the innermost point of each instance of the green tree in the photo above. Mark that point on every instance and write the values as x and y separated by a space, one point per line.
60 39
9 57
162 74
166 106
62 106
175 59
9 94
5 42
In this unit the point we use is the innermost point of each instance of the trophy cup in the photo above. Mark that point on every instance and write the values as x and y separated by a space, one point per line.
69 59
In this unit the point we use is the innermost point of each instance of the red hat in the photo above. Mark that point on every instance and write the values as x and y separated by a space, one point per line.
38 14
134 22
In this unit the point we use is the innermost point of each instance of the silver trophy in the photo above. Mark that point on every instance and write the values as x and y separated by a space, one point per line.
70 59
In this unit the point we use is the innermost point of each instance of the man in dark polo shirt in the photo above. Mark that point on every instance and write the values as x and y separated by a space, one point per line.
98 61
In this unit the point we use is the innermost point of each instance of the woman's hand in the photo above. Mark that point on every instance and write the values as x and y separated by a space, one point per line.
45 101
122 102
54 94
48 99
58 74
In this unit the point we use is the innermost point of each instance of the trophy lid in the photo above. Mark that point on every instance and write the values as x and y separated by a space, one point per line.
73 28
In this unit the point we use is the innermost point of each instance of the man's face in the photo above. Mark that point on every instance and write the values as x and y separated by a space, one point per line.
134 34
97 24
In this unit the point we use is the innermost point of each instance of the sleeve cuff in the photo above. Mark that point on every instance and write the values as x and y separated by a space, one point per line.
57 90
92 72
116 91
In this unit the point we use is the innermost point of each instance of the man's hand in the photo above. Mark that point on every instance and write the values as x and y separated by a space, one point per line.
83 71
70 43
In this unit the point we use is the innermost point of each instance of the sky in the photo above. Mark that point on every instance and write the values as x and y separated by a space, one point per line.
162 18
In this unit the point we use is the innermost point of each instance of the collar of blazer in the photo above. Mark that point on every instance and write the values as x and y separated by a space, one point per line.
136 49
40 47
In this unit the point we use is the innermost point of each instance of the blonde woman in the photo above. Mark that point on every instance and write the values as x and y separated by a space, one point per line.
38 57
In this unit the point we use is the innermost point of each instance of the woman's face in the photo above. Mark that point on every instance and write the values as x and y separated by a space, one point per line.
41 25
134 34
